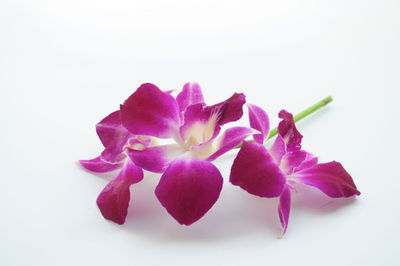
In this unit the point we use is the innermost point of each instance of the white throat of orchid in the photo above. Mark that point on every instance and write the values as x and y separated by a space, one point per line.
199 132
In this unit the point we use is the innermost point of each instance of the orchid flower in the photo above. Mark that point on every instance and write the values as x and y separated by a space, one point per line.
190 184
114 199
272 172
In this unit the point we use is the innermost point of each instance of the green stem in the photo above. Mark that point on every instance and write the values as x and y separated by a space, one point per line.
301 115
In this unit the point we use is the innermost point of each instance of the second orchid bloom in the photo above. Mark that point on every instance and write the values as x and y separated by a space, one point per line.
272 173
190 184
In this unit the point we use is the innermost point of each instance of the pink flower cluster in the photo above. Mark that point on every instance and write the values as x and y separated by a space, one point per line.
190 183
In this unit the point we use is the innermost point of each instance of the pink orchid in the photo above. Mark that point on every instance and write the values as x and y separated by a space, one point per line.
113 201
190 184
272 172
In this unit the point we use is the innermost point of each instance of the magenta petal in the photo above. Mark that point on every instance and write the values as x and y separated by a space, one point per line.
278 150
150 111
331 178
113 156
97 165
259 120
284 208
113 201
141 141
113 136
231 138
229 110
292 160
169 91
111 131
155 159
288 131
189 188
190 94
255 171
310 161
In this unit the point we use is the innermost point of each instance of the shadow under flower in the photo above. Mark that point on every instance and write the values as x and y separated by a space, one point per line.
236 214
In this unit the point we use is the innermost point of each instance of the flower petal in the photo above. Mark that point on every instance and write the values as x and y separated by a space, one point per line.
231 138
189 188
113 201
255 171
150 111
110 128
284 208
97 165
113 156
199 126
310 161
155 159
169 91
292 160
259 120
288 131
190 94
331 178
278 150
113 136
229 110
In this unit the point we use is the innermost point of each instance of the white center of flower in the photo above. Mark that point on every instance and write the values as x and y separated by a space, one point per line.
200 132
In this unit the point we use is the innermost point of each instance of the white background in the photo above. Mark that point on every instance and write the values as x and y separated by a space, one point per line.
64 65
